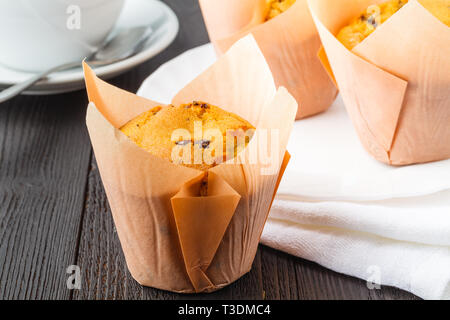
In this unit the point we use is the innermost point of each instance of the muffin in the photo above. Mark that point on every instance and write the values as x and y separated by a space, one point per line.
394 83
375 15
277 7
174 237
290 43
155 131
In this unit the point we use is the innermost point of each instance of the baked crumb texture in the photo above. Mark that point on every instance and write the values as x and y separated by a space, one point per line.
154 131
277 7
361 27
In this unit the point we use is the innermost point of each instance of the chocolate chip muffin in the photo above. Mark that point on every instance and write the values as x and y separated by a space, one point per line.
197 135
375 15
277 7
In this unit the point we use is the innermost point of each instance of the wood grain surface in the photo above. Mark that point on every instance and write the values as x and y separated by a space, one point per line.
54 212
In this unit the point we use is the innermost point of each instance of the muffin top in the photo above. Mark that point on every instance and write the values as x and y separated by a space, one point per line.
361 27
277 7
439 8
197 135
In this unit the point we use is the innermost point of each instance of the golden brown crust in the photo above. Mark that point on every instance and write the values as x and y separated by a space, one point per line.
164 130
439 8
277 7
360 28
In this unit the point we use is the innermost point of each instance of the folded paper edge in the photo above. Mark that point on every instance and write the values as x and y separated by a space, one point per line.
284 164
99 92
322 55
197 274
328 91
246 44
246 28
385 143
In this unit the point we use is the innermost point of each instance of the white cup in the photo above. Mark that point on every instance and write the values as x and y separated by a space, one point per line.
38 34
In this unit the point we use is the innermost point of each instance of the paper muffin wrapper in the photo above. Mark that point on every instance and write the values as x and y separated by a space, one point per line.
173 239
289 42
395 84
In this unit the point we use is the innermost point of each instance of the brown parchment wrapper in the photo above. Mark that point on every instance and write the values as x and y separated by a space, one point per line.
172 238
289 42
396 83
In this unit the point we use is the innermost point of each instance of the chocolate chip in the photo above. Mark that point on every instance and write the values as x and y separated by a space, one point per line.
203 143
156 110
196 103
204 106
183 142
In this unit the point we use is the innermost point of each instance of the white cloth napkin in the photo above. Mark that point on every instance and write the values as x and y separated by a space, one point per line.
393 243
340 208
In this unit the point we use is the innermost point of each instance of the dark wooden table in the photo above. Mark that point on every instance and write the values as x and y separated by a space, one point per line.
54 213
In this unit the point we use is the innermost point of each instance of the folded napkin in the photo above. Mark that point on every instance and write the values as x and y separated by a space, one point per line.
340 208
389 242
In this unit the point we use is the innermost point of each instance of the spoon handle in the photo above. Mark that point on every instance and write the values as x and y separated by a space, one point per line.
18 88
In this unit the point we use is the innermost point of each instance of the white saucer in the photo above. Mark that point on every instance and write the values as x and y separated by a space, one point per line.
135 13
350 174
